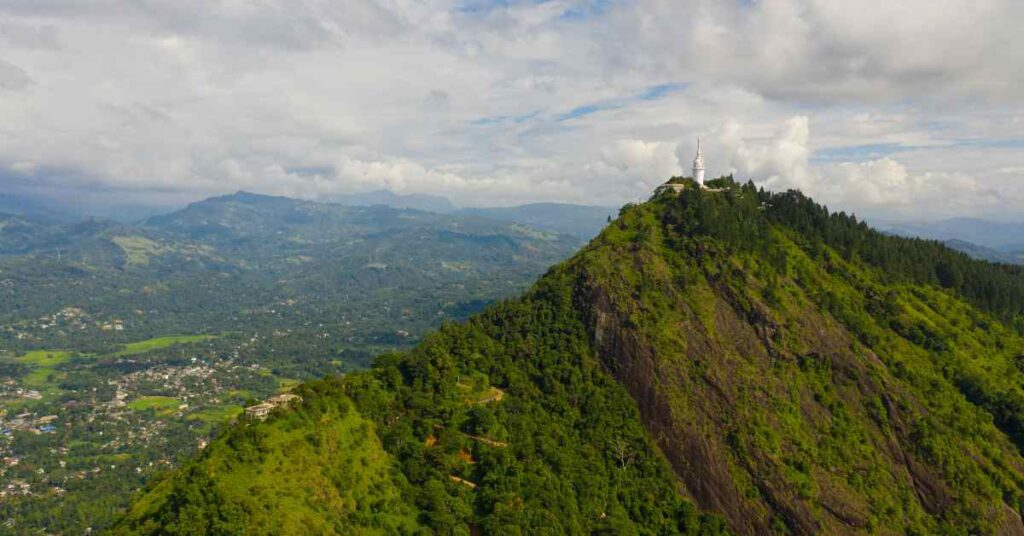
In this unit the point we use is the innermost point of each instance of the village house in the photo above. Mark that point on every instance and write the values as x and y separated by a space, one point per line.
262 410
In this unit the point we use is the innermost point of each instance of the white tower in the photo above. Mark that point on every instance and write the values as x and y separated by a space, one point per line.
698 165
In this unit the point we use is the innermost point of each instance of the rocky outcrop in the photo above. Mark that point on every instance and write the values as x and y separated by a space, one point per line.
690 401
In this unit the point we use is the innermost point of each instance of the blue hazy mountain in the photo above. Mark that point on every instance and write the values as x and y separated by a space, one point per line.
33 208
986 253
1001 236
429 203
581 221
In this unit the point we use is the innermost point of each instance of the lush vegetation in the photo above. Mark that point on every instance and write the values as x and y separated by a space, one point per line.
830 365
506 423
799 372
167 328
744 222
246 263
155 343
317 471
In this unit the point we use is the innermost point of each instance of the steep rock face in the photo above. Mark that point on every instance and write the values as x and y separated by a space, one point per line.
690 433
697 458
777 416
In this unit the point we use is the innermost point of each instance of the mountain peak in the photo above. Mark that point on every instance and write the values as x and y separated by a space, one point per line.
244 196
789 368
429 203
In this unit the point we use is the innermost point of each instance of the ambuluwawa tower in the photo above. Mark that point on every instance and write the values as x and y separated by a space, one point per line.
698 165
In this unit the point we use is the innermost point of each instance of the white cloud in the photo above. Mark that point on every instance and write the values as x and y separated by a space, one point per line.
514 101
645 159
13 77
780 163
828 50
29 35
882 187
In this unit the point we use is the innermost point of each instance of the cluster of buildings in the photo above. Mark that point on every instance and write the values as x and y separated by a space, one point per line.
71 317
261 411
27 422
114 325
68 319
102 416
10 390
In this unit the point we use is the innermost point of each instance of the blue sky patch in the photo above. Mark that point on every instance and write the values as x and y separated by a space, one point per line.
874 151
656 92
586 10
647 94
587 110
857 152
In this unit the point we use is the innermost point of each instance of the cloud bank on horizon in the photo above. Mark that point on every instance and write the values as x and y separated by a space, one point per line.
909 109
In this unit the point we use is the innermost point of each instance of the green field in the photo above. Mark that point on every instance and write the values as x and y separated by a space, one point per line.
45 358
287 384
215 415
51 358
138 249
39 379
161 405
44 362
139 347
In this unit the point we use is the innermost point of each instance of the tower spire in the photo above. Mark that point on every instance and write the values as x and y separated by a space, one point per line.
698 165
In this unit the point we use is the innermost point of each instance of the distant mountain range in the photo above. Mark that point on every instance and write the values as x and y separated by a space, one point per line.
982 239
299 289
1002 236
32 208
581 221
429 203
196 268
985 253
70 212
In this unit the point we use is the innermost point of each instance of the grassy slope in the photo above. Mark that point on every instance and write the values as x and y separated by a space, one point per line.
834 398
318 471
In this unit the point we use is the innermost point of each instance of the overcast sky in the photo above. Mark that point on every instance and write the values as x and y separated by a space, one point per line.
893 109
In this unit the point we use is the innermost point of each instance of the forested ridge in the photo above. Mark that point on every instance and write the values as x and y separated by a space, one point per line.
726 360
560 450
998 288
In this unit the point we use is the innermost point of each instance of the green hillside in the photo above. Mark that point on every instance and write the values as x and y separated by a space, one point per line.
318 471
557 449
735 352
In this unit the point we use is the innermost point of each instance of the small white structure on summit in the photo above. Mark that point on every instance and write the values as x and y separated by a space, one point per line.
678 184
698 165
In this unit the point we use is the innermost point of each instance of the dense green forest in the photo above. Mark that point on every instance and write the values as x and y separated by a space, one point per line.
557 449
716 360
